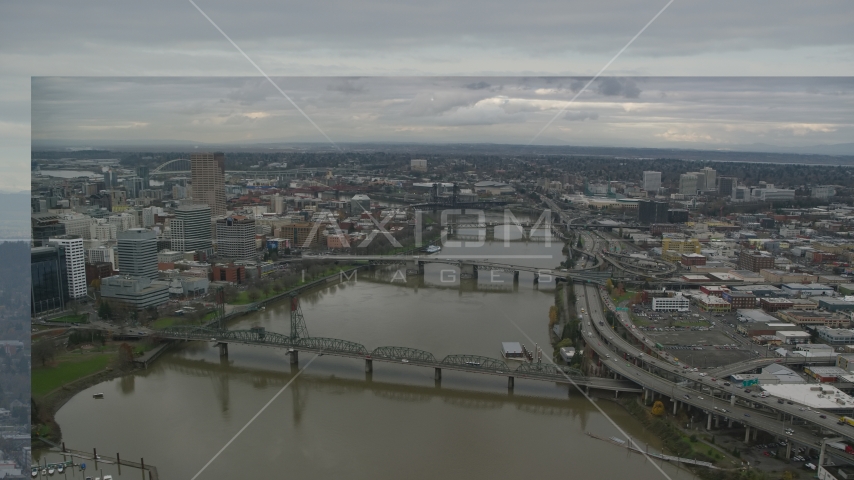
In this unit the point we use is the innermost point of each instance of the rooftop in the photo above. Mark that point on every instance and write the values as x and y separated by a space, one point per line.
811 395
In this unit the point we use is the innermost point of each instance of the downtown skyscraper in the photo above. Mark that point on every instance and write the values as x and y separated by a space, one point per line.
208 175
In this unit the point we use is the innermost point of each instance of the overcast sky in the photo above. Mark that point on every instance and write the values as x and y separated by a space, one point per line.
705 112
439 37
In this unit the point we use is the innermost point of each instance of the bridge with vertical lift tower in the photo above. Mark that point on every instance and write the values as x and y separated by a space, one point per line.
299 340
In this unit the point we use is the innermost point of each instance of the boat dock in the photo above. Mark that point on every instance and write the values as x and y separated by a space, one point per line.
668 458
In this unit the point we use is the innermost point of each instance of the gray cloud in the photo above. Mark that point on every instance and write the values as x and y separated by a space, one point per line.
611 86
580 116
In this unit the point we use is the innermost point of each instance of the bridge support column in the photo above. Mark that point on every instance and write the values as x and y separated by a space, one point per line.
536 278
223 349
294 357
788 450
437 374
755 434
729 423
717 421
732 400
709 422
616 394
510 382
747 434
515 276
369 365
675 405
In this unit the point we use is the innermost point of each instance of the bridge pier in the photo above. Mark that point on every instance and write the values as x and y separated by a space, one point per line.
536 279
294 357
729 423
788 450
709 422
369 365
747 434
223 349
675 405
515 276
437 374
468 270
510 382
717 421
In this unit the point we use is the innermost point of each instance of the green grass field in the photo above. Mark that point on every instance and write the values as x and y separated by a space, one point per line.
164 322
46 379
626 296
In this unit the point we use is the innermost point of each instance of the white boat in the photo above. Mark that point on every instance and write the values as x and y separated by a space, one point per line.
98 395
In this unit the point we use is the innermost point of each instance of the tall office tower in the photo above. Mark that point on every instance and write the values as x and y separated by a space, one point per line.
235 238
208 174
110 179
134 187
191 229
49 282
651 181
688 184
726 185
652 212
75 263
45 226
143 173
137 249
711 175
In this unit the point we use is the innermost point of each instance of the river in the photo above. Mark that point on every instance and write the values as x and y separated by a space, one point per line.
334 421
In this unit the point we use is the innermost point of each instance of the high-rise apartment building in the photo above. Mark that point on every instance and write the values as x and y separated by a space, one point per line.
75 263
191 229
711 176
208 175
651 181
688 184
137 249
235 238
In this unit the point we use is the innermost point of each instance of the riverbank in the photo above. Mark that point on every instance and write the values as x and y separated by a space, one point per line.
53 391
46 406
691 445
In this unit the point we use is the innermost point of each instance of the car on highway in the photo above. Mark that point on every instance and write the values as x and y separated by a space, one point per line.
746 414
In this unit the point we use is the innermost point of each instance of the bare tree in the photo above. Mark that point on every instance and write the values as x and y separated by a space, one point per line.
44 351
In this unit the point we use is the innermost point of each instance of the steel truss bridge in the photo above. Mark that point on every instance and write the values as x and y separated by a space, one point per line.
399 355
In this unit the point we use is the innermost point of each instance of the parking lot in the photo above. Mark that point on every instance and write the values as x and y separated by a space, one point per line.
701 339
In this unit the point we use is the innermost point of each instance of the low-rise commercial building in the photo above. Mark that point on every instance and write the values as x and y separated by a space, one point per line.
712 303
772 275
677 303
793 337
835 304
807 290
774 304
835 336
740 300
813 318
137 292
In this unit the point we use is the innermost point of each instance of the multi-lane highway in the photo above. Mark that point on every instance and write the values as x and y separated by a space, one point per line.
613 352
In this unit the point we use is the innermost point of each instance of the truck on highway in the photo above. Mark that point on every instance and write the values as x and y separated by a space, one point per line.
848 420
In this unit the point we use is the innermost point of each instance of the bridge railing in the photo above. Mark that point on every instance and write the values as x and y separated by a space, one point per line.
476 361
